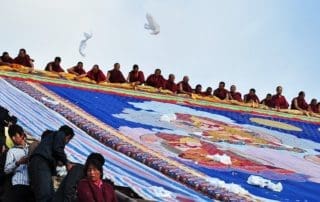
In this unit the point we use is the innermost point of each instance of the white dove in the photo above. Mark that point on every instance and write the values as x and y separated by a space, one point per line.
152 25
83 43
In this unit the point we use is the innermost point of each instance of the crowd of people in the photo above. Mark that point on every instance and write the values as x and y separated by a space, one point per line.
136 77
27 169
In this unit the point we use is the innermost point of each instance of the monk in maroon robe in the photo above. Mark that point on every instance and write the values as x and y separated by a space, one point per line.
299 103
136 76
156 80
170 84
278 101
77 70
267 100
198 90
314 106
5 59
115 75
184 87
23 59
221 92
251 96
208 92
234 95
96 74
54 66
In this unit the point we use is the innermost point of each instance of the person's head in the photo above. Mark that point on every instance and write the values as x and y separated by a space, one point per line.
171 77
135 68
5 54
209 91
252 91
222 85
198 88
22 52
157 72
268 96
185 79
57 60
313 101
233 88
95 68
17 134
68 133
279 90
116 66
93 168
80 64
301 94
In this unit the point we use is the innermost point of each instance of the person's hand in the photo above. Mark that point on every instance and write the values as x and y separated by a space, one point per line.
23 160
69 166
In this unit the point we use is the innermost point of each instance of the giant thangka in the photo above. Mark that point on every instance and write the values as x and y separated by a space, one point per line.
175 149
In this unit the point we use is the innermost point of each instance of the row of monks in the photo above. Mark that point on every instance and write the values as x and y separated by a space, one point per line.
156 80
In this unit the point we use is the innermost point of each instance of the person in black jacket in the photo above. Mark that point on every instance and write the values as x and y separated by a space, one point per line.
44 159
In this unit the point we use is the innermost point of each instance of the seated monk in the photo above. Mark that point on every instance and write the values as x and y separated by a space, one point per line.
156 80
208 92
251 97
278 101
314 106
221 92
115 75
94 74
267 100
299 103
5 59
198 90
234 95
184 87
77 70
23 59
54 66
136 76
170 84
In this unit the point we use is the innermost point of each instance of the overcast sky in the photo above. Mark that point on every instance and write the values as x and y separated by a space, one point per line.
249 43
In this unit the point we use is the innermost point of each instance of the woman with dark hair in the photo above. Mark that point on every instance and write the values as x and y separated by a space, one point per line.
93 188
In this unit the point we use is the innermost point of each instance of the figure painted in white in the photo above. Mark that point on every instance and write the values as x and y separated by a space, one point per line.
83 43
152 25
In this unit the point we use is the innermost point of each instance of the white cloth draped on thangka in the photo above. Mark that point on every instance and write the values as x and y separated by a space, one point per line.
194 143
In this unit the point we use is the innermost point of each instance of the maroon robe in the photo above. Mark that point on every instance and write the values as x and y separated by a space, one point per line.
248 97
25 61
136 76
116 76
185 87
98 76
7 59
314 108
78 70
170 85
156 81
236 96
89 192
279 102
301 103
266 102
220 93
54 67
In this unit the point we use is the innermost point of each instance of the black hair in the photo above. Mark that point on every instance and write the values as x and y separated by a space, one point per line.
57 59
135 66
253 90
67 130
96 160
14 129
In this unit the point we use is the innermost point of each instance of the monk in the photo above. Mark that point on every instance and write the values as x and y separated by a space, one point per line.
267 100
170 84
221 92
5 59
54 66
94 74
313 106
234 95
208 92
156 80
251 97
115 75
136 76
198 90
299 103
77 70
184 87
23 59
278 101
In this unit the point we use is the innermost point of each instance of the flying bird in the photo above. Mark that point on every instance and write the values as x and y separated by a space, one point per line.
152 25
83 43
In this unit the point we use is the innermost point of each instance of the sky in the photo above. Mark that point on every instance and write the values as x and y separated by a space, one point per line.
249 43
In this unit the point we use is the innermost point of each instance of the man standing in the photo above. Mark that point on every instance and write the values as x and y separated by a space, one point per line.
43 161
